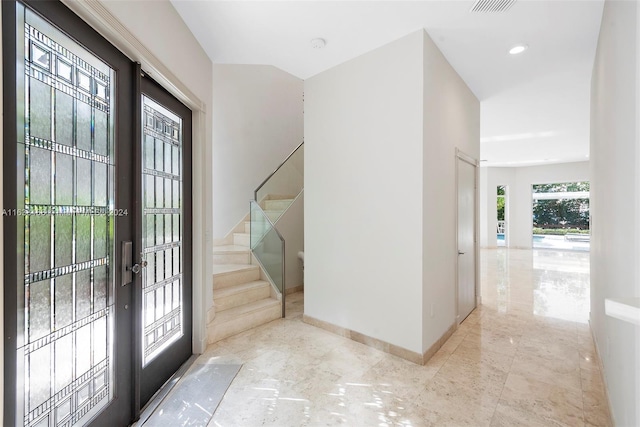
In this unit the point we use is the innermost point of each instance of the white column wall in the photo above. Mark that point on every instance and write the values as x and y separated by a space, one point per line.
451 120
615 194
363 194
381 133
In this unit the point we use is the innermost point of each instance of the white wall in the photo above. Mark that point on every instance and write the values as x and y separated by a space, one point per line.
615 191
162 31
519 181
451 120
380 235
363 194
291 226
288 180
257 123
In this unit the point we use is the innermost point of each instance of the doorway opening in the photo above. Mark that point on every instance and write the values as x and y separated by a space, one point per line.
560 215
501 215
466 235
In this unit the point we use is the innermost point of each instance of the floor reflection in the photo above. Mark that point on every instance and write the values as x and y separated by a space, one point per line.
546 283
523 358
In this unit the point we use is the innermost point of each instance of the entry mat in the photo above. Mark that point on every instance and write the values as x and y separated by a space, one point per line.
193 400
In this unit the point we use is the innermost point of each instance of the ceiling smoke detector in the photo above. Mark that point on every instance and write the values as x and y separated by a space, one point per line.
492 6
318 43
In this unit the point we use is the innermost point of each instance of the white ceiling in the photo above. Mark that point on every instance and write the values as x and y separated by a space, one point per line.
535 106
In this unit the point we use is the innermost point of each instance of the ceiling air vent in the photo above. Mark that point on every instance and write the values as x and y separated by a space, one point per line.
492 6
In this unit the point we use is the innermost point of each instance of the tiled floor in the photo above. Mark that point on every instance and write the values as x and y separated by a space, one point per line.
524 358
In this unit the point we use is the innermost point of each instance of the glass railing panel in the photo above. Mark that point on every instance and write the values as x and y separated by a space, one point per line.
260 224
267 246
279 189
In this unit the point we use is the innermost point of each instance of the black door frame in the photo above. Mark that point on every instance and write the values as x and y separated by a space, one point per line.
120 410
125 406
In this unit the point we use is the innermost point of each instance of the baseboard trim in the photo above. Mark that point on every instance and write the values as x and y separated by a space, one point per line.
601 371
411 356
211 314
431 351
294 290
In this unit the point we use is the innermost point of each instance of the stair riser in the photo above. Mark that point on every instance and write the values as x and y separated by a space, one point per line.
277 205
260 231
235 278
217 332
232 258
242 239
247 226
249 296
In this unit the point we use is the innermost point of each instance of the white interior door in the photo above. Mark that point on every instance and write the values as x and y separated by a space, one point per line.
466 238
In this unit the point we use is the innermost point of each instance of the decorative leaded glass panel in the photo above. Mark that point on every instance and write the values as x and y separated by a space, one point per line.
65 355
162 239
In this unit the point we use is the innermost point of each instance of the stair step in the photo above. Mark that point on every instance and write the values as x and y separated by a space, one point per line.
230 249
258 226
234 296
242 239
231 254
242 318
273 215
225 275
277 204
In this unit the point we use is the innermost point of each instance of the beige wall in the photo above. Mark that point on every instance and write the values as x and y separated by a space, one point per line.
615 194
257 123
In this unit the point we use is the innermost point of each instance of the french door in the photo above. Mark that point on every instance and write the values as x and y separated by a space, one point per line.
165 232
96 308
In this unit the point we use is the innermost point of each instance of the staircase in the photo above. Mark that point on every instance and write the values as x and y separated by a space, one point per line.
249 263
274 206
241 299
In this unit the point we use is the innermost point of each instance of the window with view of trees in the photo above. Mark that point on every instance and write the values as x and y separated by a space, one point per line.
500 197
561 213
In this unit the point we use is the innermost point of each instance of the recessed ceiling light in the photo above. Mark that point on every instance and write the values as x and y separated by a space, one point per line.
318 43
519 48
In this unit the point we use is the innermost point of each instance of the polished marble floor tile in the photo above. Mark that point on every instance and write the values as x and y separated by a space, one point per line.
523 358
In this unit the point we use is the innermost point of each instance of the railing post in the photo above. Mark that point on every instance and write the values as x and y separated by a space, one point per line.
284 283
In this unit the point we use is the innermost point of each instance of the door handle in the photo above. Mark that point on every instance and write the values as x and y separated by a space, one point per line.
137 268
127 261
460 253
